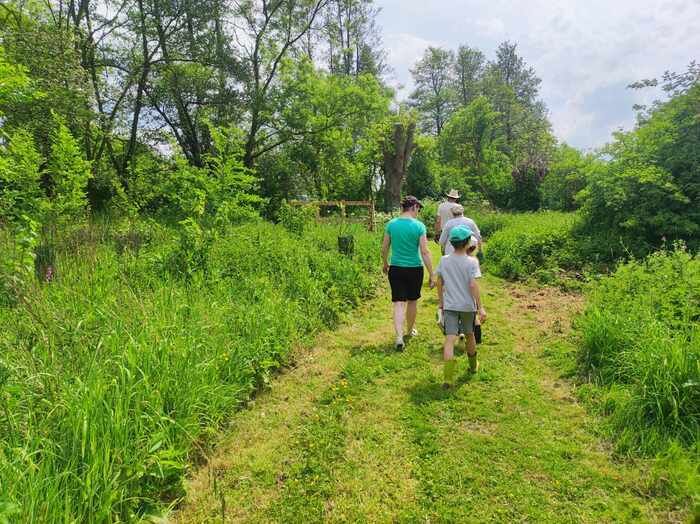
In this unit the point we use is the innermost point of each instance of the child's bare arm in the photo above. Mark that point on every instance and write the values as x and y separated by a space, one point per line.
476 294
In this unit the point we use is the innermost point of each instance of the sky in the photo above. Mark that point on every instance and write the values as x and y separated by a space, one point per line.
585 51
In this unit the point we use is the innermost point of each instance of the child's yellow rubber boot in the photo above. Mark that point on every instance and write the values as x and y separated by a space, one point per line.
449 372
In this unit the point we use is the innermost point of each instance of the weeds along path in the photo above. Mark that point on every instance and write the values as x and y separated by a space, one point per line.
356 432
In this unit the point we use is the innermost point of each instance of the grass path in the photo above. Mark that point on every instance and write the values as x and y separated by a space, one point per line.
356 432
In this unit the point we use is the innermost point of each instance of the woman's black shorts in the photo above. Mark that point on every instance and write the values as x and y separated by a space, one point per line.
405 283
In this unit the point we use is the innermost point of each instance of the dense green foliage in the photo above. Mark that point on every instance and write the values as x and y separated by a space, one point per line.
533 245
566 177
648 192
113 378
124 346
640 345
494 136
641 334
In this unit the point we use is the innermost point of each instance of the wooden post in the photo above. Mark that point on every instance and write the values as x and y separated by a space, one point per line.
371 215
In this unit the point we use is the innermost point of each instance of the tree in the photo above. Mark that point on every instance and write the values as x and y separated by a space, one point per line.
469 69
649 190
48 55
434 94
470 143
325 121
353 39
513 89
420 177
397 148
270 30
566 177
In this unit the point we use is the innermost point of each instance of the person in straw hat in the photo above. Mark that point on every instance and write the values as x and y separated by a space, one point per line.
444 211
457 219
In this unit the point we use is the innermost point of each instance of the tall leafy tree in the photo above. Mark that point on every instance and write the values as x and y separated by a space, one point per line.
434 96
353 38
648 191
270 30
470 143
469 69
325 122
513 88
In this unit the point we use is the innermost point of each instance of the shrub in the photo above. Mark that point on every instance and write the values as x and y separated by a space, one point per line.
640 347
641 331
565 177
296 219
114 377
428 214
21 205
533 244
69 173
648 192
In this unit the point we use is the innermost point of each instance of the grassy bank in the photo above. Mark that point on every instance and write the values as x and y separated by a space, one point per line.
114 376
640 349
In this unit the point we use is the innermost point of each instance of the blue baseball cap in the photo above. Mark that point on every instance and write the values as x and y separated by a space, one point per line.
460 233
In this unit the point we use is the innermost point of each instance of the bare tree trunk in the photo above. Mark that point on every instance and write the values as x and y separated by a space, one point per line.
397 155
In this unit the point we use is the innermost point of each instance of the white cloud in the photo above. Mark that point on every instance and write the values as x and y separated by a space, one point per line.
585 51
493 27
403 50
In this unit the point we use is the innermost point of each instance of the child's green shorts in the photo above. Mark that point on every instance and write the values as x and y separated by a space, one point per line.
458 322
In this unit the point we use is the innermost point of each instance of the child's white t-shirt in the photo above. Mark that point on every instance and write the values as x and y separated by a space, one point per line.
457 271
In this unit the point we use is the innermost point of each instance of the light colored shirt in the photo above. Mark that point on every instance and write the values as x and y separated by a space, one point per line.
447 227
405 234
444 211
457 271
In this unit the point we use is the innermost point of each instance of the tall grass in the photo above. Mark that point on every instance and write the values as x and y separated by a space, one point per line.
641 331
113 377
640 343
528 245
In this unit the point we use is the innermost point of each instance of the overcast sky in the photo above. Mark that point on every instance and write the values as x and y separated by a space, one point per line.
585 51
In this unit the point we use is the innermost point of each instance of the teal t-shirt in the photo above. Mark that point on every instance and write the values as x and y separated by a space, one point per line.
405 236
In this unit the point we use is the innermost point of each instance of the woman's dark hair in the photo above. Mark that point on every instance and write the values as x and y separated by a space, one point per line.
410 201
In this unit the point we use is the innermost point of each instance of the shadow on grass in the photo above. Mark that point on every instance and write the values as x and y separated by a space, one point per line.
382 348
430 389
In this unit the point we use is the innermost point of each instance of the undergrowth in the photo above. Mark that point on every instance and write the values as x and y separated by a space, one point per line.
532 245
114 376
640 347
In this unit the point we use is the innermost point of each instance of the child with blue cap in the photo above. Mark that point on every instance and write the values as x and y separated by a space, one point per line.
459 299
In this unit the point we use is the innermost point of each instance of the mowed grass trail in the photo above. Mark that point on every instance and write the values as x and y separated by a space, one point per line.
356 432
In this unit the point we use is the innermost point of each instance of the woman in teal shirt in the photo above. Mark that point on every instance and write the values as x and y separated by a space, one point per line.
406 236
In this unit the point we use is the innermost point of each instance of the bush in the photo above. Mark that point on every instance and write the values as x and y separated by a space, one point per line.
428 214
640 346
648 193
114 376
296 219
533 244
641 331
566 176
